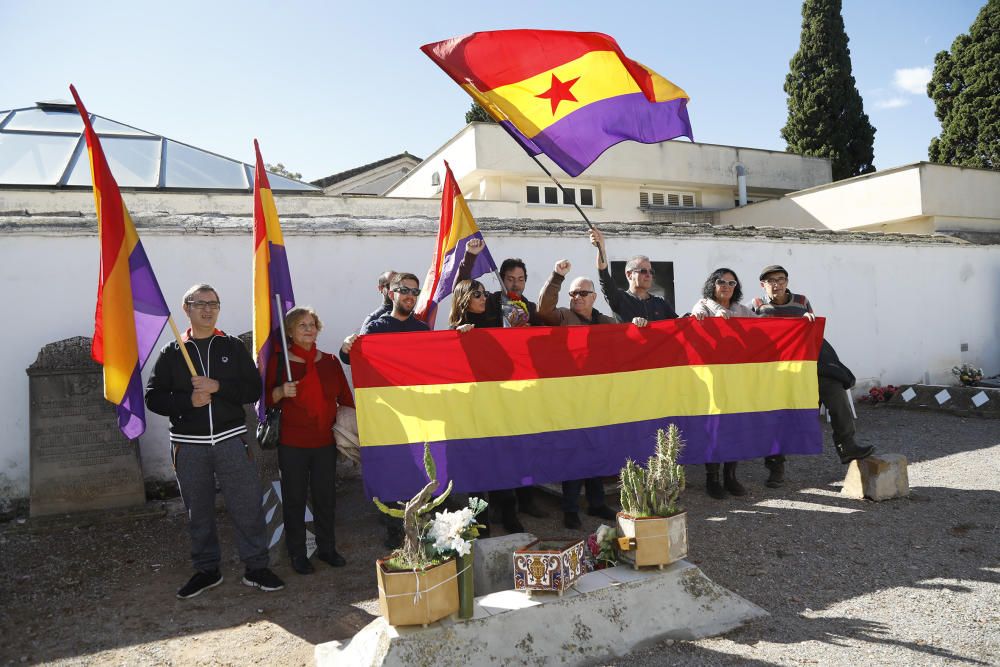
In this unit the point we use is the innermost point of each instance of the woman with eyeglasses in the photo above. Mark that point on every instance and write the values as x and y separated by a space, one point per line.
468 310
307 453
720 297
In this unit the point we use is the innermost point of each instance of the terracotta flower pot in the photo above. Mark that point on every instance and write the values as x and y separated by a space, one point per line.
417 597
652 540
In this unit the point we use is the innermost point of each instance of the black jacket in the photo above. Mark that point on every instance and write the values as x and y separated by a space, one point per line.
169 390
829 365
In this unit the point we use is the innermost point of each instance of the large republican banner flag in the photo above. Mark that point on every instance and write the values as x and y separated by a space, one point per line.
503 408
271 275
131 311
570 95
455 229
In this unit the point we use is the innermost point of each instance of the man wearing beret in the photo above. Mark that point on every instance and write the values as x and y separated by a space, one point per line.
834 377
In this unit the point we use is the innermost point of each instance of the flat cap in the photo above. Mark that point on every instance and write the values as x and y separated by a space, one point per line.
773 268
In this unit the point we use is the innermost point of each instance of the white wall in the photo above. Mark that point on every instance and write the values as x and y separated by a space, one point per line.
898 312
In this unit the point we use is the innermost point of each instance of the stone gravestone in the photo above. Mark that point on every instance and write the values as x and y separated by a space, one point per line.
79 458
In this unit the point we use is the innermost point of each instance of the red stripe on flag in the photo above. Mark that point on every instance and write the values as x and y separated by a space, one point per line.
498 58
492 355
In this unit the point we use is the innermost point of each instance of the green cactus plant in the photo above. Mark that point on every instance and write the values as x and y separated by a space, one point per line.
414 514
653 490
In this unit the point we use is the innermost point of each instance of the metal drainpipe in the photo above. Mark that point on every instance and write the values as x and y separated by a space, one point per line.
741 183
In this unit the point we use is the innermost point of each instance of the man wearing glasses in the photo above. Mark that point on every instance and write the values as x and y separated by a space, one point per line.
635 304
834 377
207 424
581 311
404 288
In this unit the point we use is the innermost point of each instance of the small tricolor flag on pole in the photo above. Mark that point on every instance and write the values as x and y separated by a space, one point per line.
270 273
570 95
131 311
455 229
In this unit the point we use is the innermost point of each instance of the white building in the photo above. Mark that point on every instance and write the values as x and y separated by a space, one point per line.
901 308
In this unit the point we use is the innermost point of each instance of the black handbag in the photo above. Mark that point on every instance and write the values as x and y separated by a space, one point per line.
269 430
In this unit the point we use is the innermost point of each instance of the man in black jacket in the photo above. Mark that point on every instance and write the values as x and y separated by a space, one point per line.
207 424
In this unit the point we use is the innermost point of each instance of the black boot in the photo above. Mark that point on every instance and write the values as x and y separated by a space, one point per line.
850 451
526 503
776 466
712 484
508 516
729 480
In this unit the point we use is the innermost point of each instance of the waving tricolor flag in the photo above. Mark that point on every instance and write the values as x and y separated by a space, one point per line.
270 272
570 95
131 311
455 229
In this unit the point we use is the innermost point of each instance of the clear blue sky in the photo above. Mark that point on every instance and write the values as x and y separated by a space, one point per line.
327 86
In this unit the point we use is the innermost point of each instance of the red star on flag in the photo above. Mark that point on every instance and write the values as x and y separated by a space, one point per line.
559 91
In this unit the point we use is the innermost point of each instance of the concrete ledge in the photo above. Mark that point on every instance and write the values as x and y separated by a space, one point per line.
877 477
978 401
605 614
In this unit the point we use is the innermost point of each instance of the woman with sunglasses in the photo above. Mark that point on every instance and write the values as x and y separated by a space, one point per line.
720 297
468 310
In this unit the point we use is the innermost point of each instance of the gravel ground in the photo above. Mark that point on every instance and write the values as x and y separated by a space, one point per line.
902 582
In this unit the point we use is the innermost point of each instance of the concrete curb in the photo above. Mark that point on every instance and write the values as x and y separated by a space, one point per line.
606 614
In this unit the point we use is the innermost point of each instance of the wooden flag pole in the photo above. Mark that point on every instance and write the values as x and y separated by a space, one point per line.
180 343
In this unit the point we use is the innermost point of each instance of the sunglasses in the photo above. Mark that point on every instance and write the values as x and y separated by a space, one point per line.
415 291
580 293
645 272
477 294
722 283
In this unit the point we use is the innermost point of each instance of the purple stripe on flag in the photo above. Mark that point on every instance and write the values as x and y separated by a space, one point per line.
281 280
449 268
132 410
149 306
575 141
526 143
395 472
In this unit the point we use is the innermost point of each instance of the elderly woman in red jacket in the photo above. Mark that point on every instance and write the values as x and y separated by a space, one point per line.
307 454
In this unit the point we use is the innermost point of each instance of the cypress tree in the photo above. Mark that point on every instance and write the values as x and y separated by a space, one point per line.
826 116
965 88
478 114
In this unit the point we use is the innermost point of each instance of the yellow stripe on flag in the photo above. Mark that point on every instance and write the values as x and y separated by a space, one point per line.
431 413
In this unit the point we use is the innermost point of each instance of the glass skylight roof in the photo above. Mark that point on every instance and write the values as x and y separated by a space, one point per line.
44 146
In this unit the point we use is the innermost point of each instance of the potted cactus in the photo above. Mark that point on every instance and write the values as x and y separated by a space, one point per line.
652 530
419 582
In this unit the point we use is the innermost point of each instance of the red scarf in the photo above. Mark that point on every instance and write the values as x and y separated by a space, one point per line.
310 389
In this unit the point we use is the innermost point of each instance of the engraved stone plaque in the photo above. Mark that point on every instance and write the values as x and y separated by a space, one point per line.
79 459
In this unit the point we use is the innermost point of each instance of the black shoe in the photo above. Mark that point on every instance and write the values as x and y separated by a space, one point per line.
263 579
851 452
332 558
572 520
201 581
302 565
603 512
510 521
776 478
713 486
729 480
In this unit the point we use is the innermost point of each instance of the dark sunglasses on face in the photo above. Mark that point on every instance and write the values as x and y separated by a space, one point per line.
722 283
477 294
581 293
645 272
415 291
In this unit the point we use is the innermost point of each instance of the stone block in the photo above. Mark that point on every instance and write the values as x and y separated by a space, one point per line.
610 619
878 477
493 568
